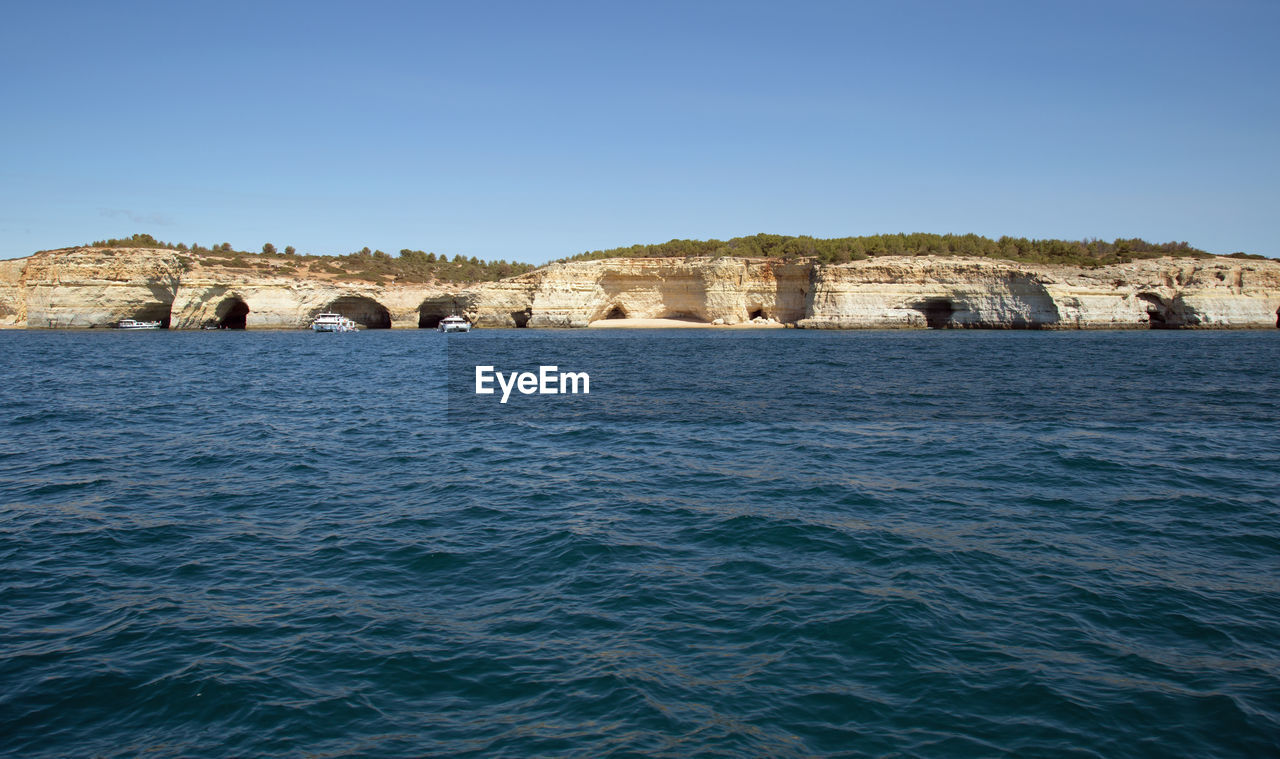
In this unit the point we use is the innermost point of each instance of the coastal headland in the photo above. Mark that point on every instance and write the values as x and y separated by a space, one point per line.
88 287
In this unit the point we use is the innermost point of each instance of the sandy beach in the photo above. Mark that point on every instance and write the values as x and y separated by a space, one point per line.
676 324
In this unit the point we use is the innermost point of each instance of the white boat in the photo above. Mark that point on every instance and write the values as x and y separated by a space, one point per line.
134 324
453 323
328 322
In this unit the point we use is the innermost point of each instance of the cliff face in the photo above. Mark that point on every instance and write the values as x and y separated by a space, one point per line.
88 287
92 287
84 288
948 292
730 289
911 292
13 300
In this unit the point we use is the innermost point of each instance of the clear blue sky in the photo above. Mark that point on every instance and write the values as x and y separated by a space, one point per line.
533 130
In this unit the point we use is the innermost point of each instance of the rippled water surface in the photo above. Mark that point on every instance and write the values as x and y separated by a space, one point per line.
778 543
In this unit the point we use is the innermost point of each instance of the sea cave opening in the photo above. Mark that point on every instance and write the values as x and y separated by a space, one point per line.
433 310
232 313
616 313
1159 316
521 318
153 312
366 312
937 312
756 314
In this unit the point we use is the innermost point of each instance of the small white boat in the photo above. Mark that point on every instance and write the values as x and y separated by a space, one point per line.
453 323
134 324
328 322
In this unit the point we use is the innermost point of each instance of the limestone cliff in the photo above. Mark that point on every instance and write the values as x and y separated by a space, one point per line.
910 292
94 287
731 289
953 292
91 287
13 299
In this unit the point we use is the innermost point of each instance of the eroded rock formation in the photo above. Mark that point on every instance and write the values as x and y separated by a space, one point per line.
907 292
92 287
733 289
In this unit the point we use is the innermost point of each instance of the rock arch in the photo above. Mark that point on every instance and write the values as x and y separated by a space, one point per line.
232 313
362 310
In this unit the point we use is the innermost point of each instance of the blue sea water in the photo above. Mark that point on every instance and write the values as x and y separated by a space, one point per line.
773 543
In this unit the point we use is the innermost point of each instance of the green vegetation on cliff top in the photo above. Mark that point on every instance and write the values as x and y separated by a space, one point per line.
419 267
369 265
844 249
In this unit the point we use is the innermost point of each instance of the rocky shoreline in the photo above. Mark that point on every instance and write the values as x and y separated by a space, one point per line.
96 287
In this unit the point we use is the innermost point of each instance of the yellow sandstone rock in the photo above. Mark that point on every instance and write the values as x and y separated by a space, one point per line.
94 287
